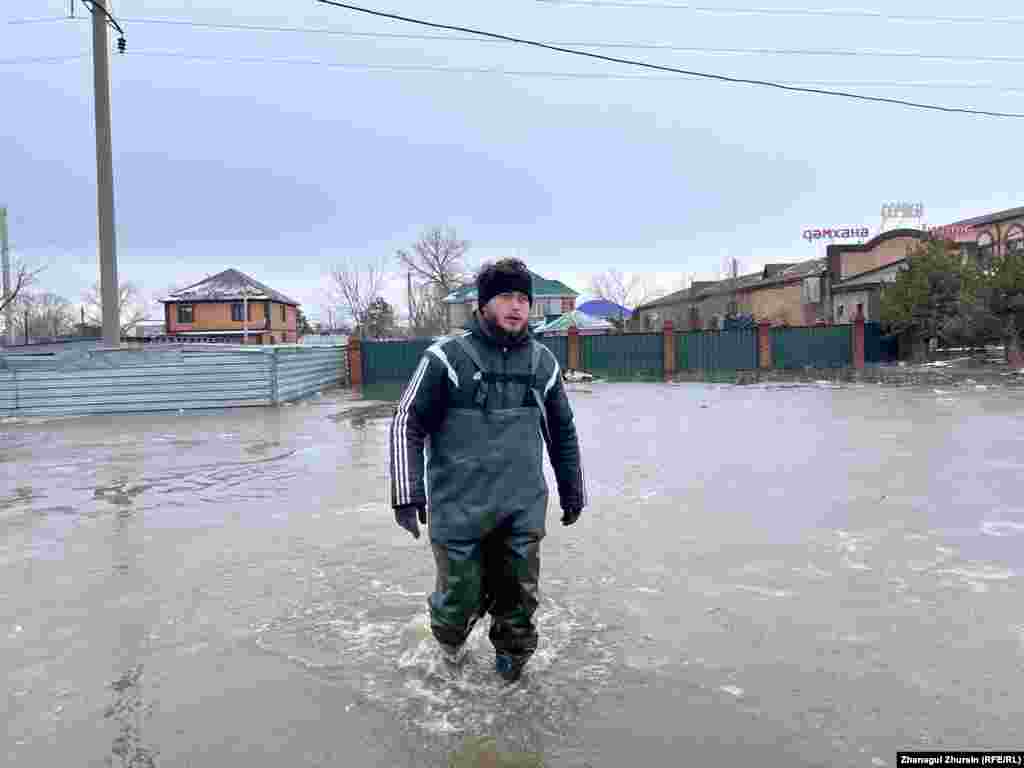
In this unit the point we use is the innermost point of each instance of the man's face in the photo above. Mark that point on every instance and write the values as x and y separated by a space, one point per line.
509 311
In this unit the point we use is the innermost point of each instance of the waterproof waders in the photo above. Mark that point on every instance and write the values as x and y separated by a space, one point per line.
488 500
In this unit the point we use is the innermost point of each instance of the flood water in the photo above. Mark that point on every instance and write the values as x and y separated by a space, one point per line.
801 575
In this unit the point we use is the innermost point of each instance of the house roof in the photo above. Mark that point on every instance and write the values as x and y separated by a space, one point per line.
687 294
991 218
772 274
771 270
870 277
604 308
542 287
574 319
795 272
229 285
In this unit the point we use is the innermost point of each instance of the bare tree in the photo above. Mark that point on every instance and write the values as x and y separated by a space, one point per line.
626 290
354 287
131 305
436 265
51 315
22 278
437 259
426 311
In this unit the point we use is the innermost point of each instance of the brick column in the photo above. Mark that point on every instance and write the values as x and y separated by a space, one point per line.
669 340
1014 356
858 339
574 349
764 345
355 364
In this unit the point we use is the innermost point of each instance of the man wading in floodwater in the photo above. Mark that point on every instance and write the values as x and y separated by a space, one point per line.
486 398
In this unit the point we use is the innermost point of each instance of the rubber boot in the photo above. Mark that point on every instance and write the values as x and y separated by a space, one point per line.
509 667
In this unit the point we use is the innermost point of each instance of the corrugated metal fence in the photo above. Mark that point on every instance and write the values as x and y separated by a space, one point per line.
392 360
123 382
304 371
878 347
717 350
627 355
559 345
826 346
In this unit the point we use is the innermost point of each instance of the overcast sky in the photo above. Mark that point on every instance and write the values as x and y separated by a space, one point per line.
281 168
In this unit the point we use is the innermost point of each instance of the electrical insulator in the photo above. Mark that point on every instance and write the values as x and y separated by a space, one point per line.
120 45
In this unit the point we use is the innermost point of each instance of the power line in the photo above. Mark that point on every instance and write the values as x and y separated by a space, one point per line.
842 53
821 13
596 45
549 74
43 59
662 68
41 20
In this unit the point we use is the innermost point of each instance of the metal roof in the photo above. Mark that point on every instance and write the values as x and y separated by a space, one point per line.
229 285
604 308
574 319
868 278
990 218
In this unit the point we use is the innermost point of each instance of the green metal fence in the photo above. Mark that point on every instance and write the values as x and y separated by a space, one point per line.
560 346
391 360
826 346
628 355
717 350
879 347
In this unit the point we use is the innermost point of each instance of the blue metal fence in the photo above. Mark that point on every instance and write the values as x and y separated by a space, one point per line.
130 381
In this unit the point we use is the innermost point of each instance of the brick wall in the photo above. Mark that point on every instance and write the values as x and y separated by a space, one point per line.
853 263
215 316
781 304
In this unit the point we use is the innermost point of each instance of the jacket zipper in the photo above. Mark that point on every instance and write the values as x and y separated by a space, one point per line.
504 369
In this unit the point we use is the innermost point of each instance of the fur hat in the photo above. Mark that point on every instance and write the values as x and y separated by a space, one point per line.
507 275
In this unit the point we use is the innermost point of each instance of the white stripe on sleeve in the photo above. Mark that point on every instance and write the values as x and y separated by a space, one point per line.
399 435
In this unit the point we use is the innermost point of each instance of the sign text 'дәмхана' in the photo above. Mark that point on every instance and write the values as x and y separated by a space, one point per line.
835 233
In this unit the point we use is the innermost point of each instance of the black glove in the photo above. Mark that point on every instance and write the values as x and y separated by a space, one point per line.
571 515
406 516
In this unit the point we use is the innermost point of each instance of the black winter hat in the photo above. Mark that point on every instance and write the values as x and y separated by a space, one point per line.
507 275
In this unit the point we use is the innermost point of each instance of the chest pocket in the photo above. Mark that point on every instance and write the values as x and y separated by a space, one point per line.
486 378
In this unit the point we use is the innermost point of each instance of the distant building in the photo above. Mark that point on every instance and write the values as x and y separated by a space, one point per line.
233 306
606 310
586 325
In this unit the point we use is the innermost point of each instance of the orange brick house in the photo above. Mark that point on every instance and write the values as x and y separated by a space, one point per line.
233 306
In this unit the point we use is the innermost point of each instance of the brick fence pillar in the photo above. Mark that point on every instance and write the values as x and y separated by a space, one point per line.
858 339
1014 356
574 349
764 345
355 364
669 340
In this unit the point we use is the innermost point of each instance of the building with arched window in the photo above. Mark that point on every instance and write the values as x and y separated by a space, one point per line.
985 238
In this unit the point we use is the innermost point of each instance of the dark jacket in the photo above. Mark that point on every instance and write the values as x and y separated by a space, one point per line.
444 379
